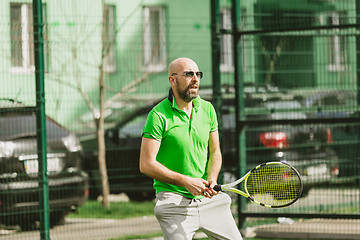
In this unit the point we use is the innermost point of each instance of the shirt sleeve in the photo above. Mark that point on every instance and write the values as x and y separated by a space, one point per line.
153 126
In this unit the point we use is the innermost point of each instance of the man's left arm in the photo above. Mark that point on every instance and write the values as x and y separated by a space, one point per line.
214 164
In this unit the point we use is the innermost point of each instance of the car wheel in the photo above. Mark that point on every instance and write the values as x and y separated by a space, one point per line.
27 223
94 193
57 218
141 196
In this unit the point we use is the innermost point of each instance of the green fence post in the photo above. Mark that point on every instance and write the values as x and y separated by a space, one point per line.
239 105
357 6
215 54
41 120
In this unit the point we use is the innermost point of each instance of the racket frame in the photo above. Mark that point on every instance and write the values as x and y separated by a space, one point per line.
230 187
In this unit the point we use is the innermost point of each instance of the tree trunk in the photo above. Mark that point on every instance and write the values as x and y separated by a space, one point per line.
100 122
102 163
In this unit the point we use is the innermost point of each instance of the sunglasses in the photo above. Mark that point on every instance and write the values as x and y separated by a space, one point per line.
190 74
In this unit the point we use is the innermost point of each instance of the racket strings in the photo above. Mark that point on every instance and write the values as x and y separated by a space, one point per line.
274 184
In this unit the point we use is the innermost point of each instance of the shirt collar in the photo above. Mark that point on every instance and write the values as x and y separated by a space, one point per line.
171 98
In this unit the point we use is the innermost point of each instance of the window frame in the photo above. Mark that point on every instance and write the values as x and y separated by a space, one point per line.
149 64
338 56
26 39
226 42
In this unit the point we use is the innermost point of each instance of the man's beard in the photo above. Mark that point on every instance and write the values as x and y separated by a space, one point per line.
186 95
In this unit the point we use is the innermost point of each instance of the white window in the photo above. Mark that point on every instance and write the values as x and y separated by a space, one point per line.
110 39
22 39
226 43
337 45
154 39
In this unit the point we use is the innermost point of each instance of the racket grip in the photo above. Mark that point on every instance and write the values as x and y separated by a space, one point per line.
217 187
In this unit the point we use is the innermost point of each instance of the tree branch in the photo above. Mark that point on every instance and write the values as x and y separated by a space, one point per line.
125 90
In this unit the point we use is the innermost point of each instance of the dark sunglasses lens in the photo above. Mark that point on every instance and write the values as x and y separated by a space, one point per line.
189 74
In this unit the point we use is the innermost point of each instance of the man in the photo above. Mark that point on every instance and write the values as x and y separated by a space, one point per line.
180 149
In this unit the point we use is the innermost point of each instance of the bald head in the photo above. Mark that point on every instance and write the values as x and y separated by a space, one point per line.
184 83
180 64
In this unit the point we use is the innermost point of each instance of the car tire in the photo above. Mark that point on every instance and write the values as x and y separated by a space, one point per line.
94 193
57 218
27 223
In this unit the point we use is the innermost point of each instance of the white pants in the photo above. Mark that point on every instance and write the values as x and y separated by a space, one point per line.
180 217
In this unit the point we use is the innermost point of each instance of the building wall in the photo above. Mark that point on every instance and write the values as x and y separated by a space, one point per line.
73 52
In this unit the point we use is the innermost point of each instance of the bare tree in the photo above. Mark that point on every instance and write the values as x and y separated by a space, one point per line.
105 102
99 122
271 48
107 44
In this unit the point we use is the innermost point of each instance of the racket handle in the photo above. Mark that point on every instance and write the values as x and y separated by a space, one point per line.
217 187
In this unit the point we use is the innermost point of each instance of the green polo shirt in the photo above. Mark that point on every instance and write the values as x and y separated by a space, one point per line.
184 140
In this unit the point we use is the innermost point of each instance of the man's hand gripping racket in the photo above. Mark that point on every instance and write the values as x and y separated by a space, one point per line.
272 185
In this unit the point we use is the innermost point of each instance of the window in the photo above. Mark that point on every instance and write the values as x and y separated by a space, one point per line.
226 43
110 39
22 39
154 39
337 45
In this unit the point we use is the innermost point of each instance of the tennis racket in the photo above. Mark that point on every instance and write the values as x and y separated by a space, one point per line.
271 185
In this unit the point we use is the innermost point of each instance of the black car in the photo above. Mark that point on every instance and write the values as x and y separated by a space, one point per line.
305 147
19 184
122 159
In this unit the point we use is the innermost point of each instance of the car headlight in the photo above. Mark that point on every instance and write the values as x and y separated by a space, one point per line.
72 143
6 148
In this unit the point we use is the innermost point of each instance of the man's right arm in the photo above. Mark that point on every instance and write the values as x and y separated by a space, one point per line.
151 167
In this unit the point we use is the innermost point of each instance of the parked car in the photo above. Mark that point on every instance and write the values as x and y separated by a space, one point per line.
19 183
306 147
328 103
338 104
122 159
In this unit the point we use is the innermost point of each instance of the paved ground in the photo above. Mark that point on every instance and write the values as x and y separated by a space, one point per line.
91 229
310 229
104 229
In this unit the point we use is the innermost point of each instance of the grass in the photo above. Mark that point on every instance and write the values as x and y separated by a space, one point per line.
117 210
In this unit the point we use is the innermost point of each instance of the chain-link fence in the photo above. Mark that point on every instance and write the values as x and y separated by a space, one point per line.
289 92
297 66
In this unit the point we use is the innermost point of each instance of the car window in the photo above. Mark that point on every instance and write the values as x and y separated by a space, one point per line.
333 100
267 110
133 128
330 99
228 121
289 108
23 125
